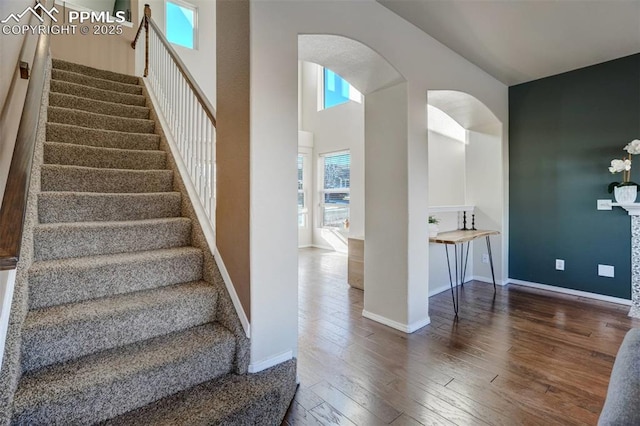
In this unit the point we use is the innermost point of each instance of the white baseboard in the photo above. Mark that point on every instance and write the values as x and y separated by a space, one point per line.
7 285
305 246
318 246
572 292
489 280
270 362
232 293
438 290
410 328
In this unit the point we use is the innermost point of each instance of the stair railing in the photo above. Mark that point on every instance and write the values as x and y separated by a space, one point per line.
14 201
189 116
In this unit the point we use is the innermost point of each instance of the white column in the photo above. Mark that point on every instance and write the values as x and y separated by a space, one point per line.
396 247
635 267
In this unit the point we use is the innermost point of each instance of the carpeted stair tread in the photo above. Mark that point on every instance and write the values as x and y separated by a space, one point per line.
230 400
56 207
79 239
100 107
60 281
64 332
103 385
66 133
108 158
57 177
59 64
99 121
59 86
98 83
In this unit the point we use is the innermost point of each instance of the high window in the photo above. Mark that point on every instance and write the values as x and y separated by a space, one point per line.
335 191
336 90
181 23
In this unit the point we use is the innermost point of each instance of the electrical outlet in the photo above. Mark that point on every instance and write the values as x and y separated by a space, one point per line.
485 258
606 271
560 264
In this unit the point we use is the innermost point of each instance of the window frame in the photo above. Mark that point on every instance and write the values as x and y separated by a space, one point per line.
185 5
322 191
304 211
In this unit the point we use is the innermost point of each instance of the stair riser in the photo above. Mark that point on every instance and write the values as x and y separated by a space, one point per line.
87 207
92 72
79 241
50 287
98 83
98 94
65 133
98 121
79 155
62 342
98 107
61 178
255 399
104 402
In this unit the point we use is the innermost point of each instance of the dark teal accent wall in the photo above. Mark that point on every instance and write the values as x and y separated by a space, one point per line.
563 132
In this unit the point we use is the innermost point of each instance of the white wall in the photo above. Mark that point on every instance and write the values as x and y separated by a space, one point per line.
13 48
447 171
485 190
335 129
200 62
425 64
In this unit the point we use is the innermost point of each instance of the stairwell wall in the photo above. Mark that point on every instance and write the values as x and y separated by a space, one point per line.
13 89
232 145
111 52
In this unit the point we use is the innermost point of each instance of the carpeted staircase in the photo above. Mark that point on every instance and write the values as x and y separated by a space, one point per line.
128 320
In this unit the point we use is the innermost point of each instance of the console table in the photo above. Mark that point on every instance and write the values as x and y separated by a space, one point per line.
458 239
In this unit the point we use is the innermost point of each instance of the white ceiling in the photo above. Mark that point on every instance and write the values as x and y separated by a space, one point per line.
521 40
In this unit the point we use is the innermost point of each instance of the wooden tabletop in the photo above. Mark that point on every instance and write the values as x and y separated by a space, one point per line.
459 236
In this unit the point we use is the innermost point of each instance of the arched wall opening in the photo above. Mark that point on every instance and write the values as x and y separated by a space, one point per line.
425 64
379 197
466 175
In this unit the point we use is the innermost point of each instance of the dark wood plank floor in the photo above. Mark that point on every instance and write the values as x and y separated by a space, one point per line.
523 357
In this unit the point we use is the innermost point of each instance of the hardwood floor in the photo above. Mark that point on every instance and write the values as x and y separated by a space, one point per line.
523 357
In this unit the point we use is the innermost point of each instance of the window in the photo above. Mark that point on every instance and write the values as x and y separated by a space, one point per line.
336 90
181 23
303 211
334 195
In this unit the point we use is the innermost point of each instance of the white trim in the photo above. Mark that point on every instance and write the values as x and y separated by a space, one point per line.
572 292
305 246
201 215
410 328
6 296
433 292
318 246
270 362
232 293
488 280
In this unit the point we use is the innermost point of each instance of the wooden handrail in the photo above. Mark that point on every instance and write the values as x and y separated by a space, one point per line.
14 202
147 22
